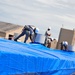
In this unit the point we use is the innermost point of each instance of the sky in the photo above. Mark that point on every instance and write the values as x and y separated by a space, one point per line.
40 13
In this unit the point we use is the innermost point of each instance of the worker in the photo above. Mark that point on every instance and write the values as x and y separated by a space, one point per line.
47 37
28 30
64 45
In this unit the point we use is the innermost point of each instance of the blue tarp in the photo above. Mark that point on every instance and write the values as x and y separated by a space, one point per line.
22 58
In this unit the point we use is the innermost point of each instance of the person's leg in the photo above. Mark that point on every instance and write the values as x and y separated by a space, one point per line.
32 37
27 35
49 43
19 36
62 47
45 43
65 47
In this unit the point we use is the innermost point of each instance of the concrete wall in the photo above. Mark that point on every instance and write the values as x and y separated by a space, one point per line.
73 40
18 30
2 34
54 44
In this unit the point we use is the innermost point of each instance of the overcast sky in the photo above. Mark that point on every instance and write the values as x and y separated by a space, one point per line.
41 13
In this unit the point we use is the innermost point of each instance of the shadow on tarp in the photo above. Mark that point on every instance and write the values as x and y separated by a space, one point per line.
38 73
49 73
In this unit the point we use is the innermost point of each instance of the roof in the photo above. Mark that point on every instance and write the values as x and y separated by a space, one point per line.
17 58
5 27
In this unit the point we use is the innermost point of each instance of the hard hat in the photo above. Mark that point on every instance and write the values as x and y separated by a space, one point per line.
37 30
49 27
65 43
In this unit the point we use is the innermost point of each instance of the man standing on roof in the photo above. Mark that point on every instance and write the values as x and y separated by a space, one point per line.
28 30
47 37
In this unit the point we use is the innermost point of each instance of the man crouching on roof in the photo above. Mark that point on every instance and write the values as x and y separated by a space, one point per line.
28 30
64 45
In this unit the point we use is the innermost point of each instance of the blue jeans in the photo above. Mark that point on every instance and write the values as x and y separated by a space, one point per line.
25 32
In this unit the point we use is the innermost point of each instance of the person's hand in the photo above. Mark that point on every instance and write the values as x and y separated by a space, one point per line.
49 34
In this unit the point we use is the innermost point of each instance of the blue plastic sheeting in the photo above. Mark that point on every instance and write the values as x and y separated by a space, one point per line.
22 58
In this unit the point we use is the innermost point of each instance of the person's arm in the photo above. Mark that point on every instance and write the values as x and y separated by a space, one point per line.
48 33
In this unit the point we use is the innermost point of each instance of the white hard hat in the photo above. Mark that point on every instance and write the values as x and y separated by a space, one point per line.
49 27
37 30
65 43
